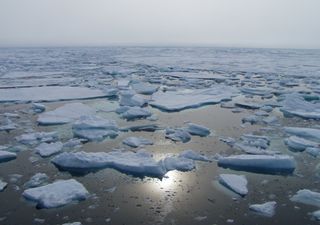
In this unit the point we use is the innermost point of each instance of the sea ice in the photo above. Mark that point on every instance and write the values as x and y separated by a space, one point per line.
37 137
178 134
136 113
49 149
316 215
144 88
190 154
57 194
307 133
129 98
65 114
7 156
178 163
185 99
38 108
269 164
265 209
195 129
37 180
236 183
308 197
315 152
3 185
299 144
48 94
136 141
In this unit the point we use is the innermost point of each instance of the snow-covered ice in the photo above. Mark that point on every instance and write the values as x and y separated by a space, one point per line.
303 132
57 194
236 183
130 98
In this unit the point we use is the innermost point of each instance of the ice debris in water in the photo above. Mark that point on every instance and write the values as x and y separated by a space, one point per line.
37 180
308 197
315 152
48 94
140 163
190 154
178 134
133 113
73 223
185 99
3 185
65 114
130 98
299 144
37 137
8 125
136 141
269 164
236 183
316 215
57 194
94 128
48 149
7 156
295 105
195 129
266 209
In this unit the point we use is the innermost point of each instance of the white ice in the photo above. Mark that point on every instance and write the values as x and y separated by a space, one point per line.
130 98
307 133
3 185
136 141
266 209
65 114
195 129
308 197
57 194
37 137
270 164
48 94
144 88
37 180
299 144
236 183
133 113
7 156
49 149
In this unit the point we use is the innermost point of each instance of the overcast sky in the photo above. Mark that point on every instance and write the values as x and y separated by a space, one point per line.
241 23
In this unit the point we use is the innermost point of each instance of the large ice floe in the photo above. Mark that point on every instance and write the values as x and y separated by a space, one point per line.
57 194
308 197
7 156
94 128
48 94
296 105
269 164
65 114
140 163
266 209
236 183
185 99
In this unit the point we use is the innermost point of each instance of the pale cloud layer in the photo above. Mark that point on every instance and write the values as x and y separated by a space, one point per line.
252 23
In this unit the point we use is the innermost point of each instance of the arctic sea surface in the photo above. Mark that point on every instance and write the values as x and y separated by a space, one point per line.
159 135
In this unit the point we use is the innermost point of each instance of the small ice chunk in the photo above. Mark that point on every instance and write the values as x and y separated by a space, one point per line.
178 163
144 88
136 141
65 114
49 149
147 127
315 152
38 108
37 180
136 113
308 197
178 134
129 98
248 105
256 91
316 215
307 133
7 156
73 143
269 164
195 129
253 119
3 185
190 154
299 144
8 125
236 183
73 223
57 194
266 209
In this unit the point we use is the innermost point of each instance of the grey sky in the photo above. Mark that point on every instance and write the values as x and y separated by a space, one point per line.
252 23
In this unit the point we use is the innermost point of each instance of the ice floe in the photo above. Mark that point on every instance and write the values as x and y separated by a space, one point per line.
307 133
269 164
3 185
308 197
65 114
144 88
37 180
195 129
49 149
37 137
136 141
178 134
130 98
178 163
299 144
133 113
266 209
38 108
185 99
57 194
190 154
7 156
48 94
236 183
